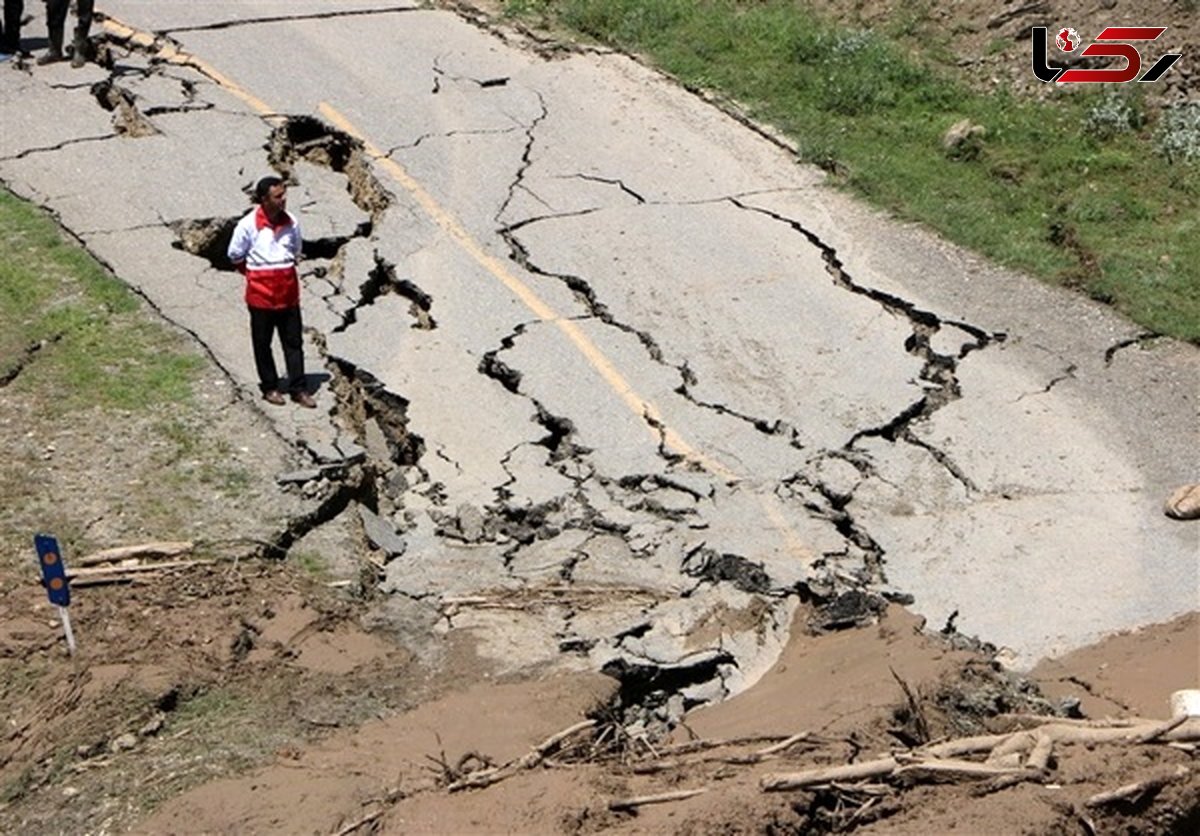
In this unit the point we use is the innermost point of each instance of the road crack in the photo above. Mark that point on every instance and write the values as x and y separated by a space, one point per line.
939 370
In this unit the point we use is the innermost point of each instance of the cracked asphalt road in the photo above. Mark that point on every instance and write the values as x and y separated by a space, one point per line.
590 343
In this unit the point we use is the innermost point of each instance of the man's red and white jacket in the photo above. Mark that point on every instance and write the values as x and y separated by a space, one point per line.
266 255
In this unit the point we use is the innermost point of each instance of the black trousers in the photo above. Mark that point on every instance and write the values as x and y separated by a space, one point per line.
56 15
10 35
263 325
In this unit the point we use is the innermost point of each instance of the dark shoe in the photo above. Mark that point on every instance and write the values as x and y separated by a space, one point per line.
304 399
81 47
54 53
274 397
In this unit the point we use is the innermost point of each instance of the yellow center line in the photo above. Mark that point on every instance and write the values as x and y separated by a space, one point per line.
170 53
641 407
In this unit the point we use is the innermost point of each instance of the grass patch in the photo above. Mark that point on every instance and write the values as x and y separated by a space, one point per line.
1076 190
311 563
69 327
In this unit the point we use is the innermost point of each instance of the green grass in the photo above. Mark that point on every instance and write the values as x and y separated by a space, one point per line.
96 348
1044 191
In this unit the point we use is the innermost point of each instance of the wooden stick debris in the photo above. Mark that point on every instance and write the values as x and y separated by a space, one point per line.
1130 792
700 745
782 745
660 798
1158 731
936 760
827 775
355 825
1043 748
102 571
160 549
487 777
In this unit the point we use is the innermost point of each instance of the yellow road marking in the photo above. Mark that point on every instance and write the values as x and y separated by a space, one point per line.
172 54
641 407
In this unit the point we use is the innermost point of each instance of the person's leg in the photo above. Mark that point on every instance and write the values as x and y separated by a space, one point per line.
262 328
83 24
56 19
291 334
10 36
83 14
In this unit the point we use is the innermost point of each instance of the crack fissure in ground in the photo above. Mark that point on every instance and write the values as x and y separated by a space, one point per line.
1141 340
47 149
266 19
27 356
939 370
383 280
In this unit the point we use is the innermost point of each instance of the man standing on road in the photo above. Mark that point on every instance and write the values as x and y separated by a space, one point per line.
10 31
56 22
265 248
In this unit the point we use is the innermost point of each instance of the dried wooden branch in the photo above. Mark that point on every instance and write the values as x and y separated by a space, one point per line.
1130 792
355 825
955 769
782 745
938 760
660 798
1035 720
487 777
1158 731
161 549
105 571
700 745
826 775
765 754
1043 748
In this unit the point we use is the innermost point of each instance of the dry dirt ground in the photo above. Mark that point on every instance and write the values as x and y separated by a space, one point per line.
253 695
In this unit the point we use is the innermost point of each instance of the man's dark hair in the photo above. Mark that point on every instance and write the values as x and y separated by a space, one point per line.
264 186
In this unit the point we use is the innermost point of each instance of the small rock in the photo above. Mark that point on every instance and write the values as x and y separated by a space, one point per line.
70 792
123 743
312 489
964 139
1184 503
706 692
675 708
153 726
470 522
1007 659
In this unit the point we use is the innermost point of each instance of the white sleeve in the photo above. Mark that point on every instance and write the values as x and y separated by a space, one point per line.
297 239
241 242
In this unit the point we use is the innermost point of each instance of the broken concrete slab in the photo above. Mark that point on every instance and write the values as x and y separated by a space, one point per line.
321 201
535 480
439 568
381 534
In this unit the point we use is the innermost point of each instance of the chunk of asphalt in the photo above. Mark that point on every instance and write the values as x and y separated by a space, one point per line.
381 534
298 477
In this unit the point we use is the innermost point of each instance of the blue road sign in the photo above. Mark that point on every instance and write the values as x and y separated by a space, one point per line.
54 574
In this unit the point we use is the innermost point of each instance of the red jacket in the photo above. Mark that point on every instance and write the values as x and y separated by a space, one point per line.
266 255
